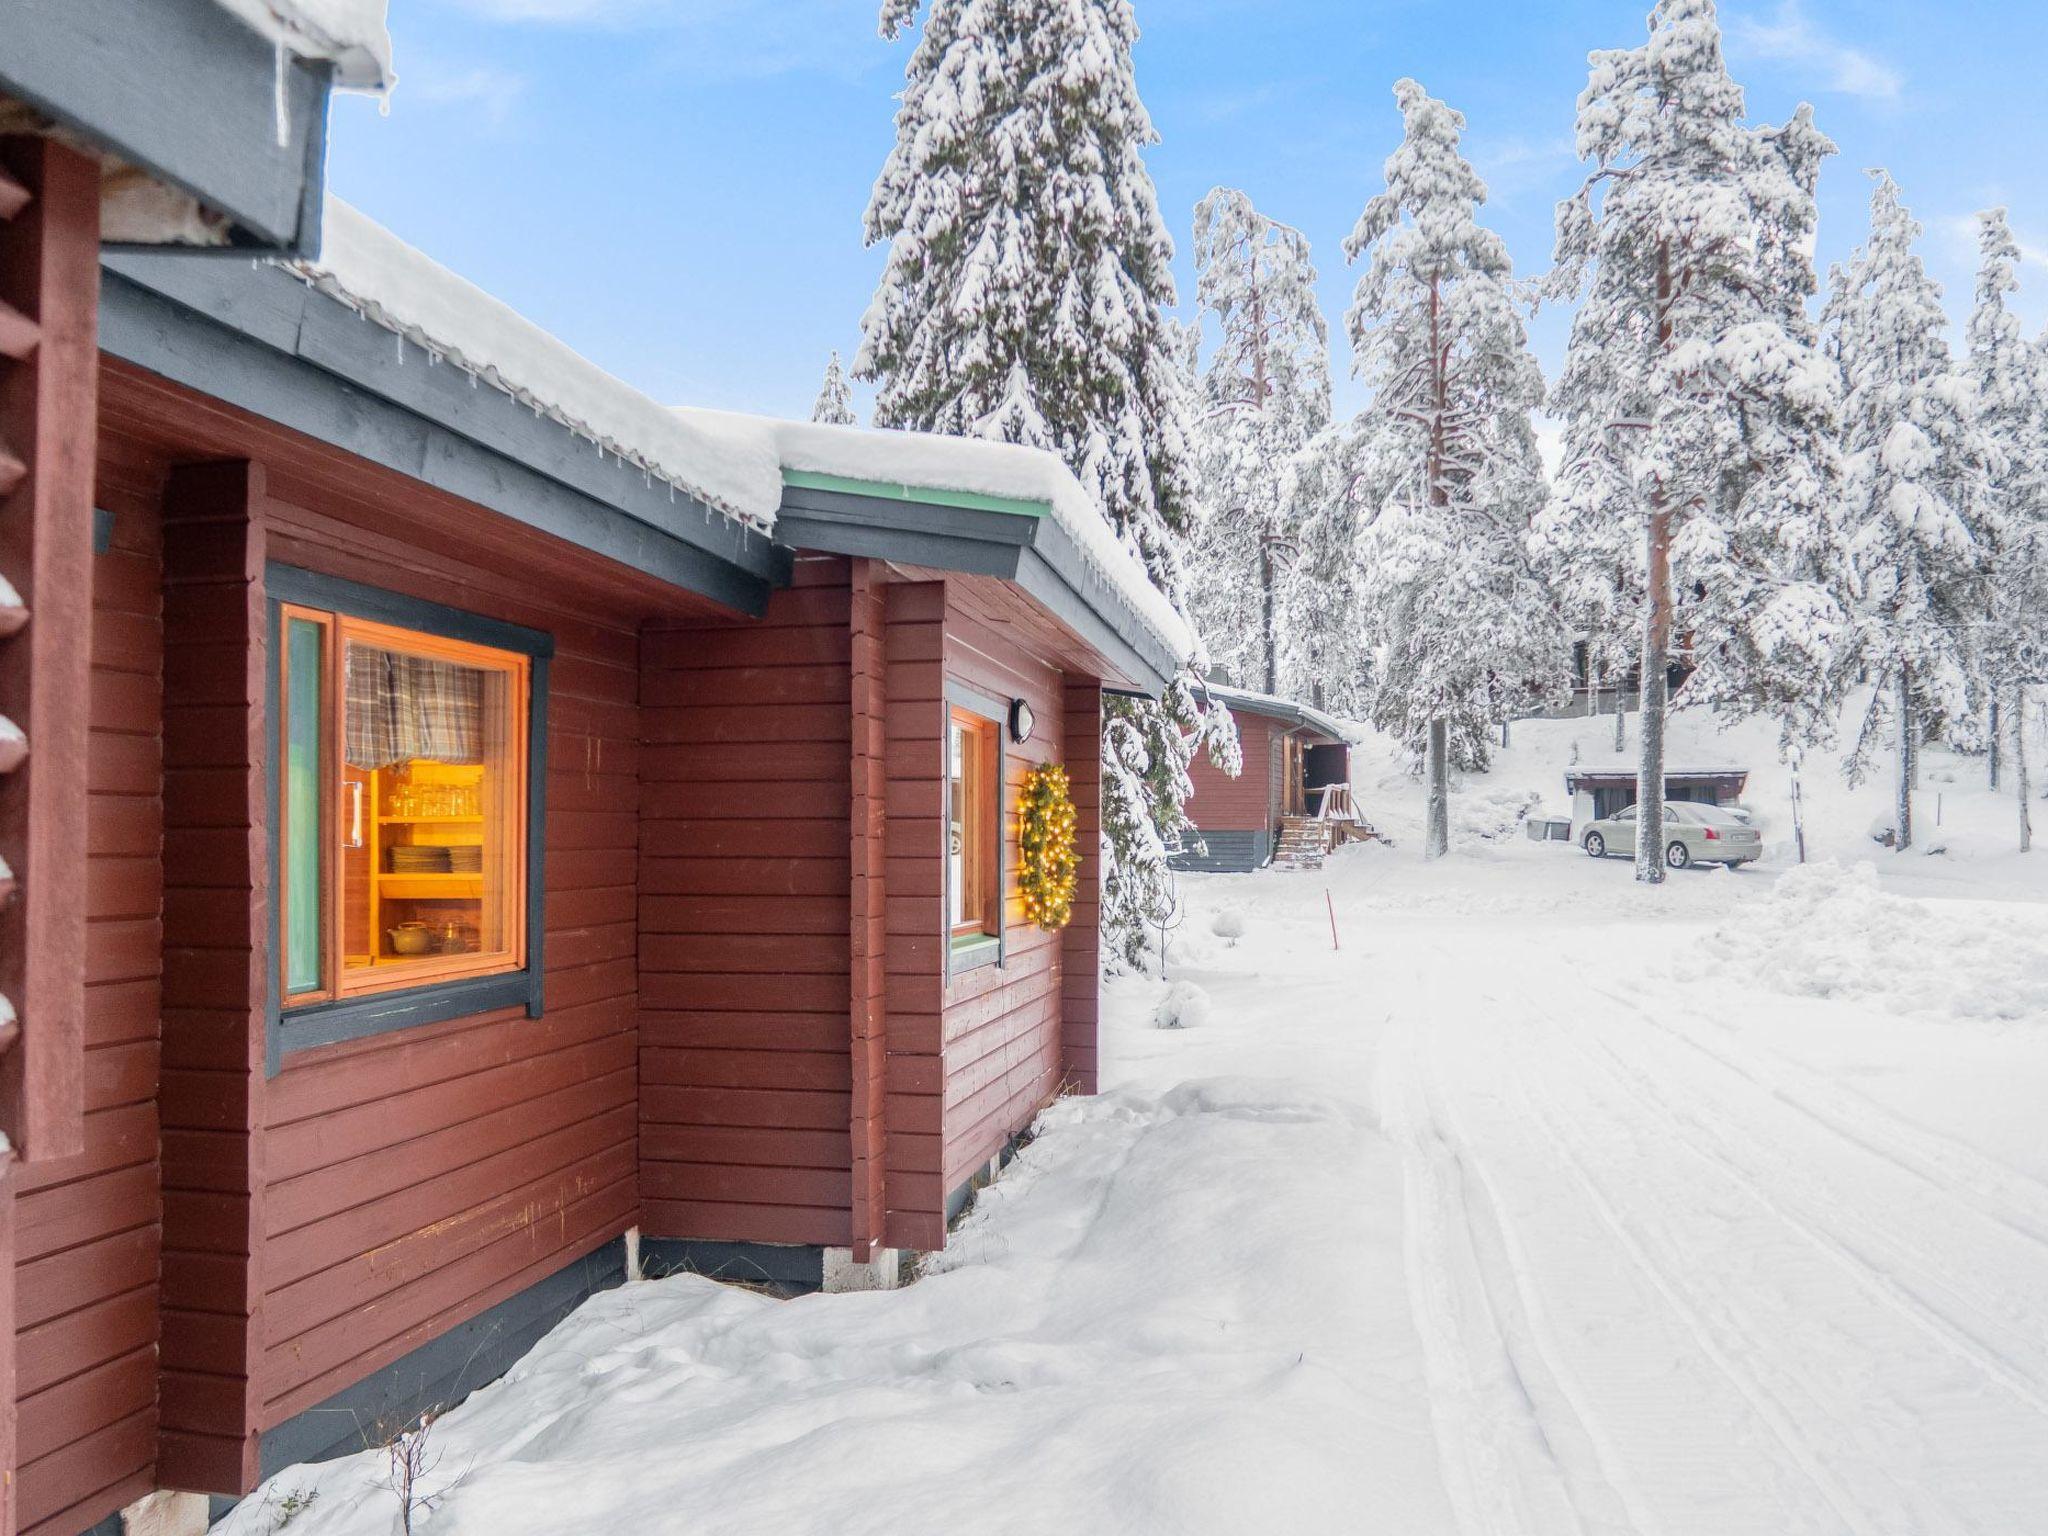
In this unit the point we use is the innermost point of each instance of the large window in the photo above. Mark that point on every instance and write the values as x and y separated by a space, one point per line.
974 838
402 807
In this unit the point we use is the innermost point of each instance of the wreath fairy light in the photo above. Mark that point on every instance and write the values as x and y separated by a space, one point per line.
1049 862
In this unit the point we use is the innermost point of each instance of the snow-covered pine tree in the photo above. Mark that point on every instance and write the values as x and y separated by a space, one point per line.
1024 300
1465 629
1264 394
834 405
1914 496
2012 401
1699 417
1325 641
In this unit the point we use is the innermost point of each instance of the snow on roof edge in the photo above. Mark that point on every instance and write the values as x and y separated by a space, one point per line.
1322 720
353 35
730 461
974 466
390 283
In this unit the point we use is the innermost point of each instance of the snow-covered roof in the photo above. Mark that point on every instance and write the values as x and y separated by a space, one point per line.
925 462
377 274
732 462
1277 708
1626 772
349 34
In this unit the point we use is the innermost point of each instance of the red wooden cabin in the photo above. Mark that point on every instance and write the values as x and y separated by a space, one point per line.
1294 756
478 826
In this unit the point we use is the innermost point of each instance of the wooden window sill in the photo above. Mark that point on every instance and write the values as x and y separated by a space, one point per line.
972 951
375 1013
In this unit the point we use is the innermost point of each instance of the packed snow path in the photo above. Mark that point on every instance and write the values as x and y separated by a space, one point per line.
1666 1275
1544 1206
1666 1284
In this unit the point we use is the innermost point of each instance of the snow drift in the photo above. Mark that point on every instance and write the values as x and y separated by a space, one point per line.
1108 1346
1827 931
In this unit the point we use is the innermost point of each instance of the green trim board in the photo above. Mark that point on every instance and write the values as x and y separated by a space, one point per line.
926 495
1024 547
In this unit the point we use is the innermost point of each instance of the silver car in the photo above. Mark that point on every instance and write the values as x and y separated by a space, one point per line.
1693 834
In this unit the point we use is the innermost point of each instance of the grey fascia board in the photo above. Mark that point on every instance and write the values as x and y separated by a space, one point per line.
1033 552
184 91
1099 600
1044 582
522 468
833 536
1299 716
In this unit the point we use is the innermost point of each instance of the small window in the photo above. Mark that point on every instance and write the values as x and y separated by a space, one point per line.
403 804
974 839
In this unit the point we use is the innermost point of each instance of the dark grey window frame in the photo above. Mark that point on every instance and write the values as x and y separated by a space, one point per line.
967 955
354 1018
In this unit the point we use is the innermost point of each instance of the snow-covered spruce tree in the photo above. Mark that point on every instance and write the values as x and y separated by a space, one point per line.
1465 630
1325 641
1264 394
1023 300
1914 497
2012 402
1699 416
834 405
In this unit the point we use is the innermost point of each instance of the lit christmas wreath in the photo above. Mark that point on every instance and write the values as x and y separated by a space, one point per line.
1049 869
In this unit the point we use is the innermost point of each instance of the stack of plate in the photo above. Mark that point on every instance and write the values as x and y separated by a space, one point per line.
466 858
409 860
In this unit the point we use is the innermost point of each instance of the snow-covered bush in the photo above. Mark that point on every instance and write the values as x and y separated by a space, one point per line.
1827 931
1230 925
1183 1006
1491 815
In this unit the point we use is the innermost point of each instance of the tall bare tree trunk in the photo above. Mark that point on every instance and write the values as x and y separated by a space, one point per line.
1908 770
1656 651
1656 643
1267 623
1798 806
1438 770
1995 743
1620 720
2019 766
1438 841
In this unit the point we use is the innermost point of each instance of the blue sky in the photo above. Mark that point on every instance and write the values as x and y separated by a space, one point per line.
675 187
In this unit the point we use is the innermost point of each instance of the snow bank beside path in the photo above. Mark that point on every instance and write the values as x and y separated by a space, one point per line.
1150 1324
1826 931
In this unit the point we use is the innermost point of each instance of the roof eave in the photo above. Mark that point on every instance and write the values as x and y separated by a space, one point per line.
1016 541
260 339
186 93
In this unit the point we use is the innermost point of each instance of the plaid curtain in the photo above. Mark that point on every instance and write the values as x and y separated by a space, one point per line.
402 707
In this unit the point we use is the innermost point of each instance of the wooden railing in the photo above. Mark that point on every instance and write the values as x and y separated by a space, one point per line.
1333 803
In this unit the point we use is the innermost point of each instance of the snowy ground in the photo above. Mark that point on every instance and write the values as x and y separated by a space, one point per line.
1540 1204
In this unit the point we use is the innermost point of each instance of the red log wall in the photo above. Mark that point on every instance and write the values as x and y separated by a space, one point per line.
87 1226
744 919
1001 1025
1247 803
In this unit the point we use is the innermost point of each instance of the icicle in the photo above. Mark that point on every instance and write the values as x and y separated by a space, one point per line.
282 99
401 347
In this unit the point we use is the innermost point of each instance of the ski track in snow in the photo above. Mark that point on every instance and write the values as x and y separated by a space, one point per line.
1666 1282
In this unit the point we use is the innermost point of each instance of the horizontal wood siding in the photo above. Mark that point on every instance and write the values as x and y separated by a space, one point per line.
1001 1024
1081 939
745 883
913 665
216 911
87 1226
414 1179
1249 802
372 1195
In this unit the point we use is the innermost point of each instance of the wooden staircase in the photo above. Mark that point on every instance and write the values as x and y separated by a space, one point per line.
1305 841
